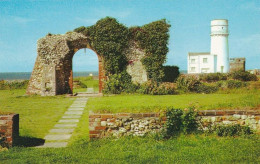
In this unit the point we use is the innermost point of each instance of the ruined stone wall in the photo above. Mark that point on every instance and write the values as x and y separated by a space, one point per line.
9 129
52 73
236 64
135 68
139 124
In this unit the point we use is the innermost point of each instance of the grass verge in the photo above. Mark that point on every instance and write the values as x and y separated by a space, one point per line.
37 114
185 149
152 103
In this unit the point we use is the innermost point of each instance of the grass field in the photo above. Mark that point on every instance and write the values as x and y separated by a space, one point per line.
242 99
89 82
185 149
39 114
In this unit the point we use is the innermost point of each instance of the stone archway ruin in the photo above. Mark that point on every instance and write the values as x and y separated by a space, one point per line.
52 73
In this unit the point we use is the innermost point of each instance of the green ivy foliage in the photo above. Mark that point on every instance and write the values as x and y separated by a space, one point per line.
153 38
110 39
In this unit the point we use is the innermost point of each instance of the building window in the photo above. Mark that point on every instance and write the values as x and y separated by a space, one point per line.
192 60
192 69
205 60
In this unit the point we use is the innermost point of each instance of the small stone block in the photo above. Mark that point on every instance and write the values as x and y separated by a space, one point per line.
69 120
56 137
220 113
100 128
74 112
136 115
77 106
61 130
146 115
65 125
94 116
123 114
2 122
210 113
75 109
54 145
71 116
107 116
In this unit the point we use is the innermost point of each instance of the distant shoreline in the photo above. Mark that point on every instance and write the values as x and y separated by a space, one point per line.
27 75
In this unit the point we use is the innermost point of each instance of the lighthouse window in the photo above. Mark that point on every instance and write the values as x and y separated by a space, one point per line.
192 60
205 60
192 69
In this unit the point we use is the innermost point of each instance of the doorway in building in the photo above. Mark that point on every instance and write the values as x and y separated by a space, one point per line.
85 66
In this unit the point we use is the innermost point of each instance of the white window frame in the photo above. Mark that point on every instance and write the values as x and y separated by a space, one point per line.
205 60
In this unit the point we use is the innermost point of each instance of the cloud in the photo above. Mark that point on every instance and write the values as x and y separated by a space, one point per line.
21 20
103 12
87 21
251 42
250 6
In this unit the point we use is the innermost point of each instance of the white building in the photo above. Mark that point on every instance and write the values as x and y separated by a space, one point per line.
218 58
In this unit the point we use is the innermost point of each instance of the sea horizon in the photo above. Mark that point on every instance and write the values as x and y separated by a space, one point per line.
27 75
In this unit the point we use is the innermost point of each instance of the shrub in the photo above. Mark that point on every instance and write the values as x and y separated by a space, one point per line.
242 75
154 88
174 122
13 84
203 88
190 123
212 77
231 84
2 140
81 84
180 121
118 83
232 130
188 83
171 73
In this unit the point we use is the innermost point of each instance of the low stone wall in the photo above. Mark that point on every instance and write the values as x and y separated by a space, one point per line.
9 129
120 124
139 124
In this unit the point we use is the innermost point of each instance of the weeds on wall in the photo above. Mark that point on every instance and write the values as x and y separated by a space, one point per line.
232 130
180 121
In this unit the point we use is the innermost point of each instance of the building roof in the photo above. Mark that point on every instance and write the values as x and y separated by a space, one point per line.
198 53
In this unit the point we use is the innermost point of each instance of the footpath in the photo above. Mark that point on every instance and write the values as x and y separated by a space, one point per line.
60 134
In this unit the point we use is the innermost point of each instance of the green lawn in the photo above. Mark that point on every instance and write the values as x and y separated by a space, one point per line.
185 149
37 114
242 99
89 82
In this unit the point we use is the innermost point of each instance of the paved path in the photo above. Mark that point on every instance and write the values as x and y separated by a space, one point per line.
60 134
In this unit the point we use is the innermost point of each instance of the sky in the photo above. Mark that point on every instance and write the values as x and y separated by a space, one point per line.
23 22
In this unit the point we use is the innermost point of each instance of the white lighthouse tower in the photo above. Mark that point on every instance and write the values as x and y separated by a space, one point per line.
219 45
